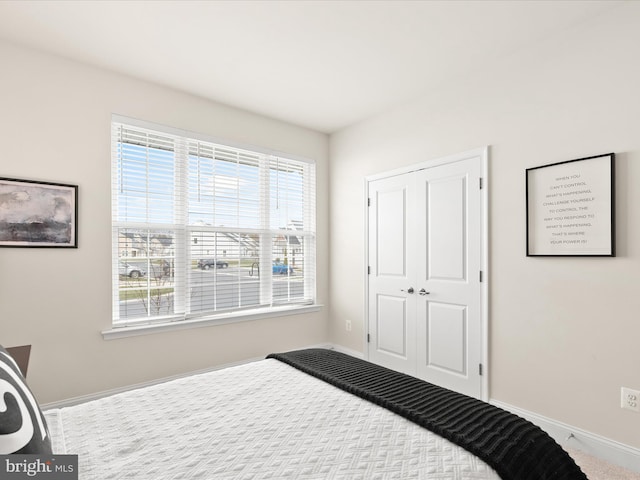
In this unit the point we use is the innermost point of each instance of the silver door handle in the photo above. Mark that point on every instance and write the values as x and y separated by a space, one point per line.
423 292
410 290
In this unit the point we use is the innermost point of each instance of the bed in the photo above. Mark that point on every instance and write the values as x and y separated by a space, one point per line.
307 414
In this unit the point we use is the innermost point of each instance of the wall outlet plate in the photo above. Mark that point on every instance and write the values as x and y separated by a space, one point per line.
630 399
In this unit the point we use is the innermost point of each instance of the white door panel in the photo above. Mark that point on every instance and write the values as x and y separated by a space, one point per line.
425 233
446 338
446 219
392 239
450 316
392 325
391 232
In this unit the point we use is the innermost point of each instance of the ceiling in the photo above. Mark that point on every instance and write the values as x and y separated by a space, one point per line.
323 65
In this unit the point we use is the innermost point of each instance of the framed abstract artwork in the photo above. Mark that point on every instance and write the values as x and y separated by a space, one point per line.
38 214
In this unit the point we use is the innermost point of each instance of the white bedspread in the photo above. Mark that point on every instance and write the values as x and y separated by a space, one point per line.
263 420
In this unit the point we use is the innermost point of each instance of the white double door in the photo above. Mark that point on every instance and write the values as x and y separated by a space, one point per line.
424 286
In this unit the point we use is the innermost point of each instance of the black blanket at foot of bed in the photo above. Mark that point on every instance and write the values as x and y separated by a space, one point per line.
514 447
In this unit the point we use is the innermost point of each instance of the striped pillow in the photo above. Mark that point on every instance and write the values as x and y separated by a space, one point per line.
22 425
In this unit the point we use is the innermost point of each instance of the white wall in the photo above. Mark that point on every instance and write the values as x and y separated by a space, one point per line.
564 332
55 126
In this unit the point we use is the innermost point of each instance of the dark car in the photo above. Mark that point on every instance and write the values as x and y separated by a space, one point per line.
281 268
207 263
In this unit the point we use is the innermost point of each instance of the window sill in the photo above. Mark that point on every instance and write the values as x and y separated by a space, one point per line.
235 317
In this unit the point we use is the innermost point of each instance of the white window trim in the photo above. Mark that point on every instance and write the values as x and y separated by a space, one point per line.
221 319
180 322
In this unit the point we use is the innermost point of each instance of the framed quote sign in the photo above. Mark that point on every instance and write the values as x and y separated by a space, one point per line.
571 208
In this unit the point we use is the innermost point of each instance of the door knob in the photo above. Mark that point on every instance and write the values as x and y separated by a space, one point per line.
410 290
423 292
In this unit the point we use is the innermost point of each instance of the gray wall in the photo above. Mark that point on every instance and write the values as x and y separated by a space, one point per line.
55 121
563 331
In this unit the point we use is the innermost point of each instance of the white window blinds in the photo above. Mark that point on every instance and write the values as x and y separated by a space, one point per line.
202 229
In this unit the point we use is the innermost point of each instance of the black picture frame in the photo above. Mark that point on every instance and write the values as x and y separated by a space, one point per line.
38 214
570 208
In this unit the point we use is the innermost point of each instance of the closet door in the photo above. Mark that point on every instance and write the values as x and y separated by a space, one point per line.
448 263
392 247
425 244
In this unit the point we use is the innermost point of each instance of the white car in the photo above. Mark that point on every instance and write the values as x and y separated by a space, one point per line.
132 271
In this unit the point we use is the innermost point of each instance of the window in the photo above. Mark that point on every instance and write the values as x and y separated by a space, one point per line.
203 230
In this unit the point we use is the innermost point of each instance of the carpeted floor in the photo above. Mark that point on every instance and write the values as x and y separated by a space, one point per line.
596 469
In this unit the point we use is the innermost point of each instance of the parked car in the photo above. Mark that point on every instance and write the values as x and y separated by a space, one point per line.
281 269
131 271
207 263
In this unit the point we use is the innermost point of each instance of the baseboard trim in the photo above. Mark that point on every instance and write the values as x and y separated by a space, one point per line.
69 402
345 350
587 442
